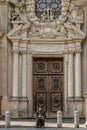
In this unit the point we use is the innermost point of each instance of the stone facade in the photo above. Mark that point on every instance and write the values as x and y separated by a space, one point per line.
24 36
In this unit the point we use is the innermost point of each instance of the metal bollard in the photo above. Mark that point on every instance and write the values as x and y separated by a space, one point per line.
7 119
76 119
59 119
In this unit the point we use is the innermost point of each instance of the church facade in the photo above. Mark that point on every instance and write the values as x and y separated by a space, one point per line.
43 57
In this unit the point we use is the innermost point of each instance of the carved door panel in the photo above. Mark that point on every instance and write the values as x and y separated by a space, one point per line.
48 85
40 91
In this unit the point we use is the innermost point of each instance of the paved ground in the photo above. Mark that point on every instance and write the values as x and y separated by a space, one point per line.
29 124
42 129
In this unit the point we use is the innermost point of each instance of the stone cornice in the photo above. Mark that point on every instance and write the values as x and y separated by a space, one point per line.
24 40
79 39
15 39
60 40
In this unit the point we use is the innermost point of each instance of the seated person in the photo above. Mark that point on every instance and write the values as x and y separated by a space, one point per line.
40 117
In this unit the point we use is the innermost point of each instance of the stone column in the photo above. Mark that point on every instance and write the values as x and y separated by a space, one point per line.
30 90
15 73
24 74
85 96
78 74
23 49
70 75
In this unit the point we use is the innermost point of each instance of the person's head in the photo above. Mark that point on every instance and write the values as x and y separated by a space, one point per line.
40 108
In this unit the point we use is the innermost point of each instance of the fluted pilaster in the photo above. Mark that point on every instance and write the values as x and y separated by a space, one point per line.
78 74
24 74
15 73
70 75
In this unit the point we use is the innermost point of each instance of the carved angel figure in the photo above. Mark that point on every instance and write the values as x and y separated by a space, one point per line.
19 11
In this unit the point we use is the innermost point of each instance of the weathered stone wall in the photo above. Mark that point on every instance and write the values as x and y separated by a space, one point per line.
3 54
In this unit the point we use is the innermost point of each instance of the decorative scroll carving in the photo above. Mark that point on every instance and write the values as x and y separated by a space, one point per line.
41 100
40 82
56 66
57 83
56 102
40 66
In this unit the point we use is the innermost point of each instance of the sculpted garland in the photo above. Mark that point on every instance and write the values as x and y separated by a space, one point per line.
24 10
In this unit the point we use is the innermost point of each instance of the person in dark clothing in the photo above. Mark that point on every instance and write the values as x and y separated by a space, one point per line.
40 117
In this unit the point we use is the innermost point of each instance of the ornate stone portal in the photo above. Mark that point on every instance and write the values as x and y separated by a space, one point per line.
47 36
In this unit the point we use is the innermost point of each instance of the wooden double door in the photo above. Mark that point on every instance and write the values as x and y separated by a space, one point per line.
48 79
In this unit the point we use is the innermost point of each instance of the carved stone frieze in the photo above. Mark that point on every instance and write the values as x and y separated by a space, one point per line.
47 48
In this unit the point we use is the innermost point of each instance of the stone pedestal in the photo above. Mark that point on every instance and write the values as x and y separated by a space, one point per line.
19 108
23 108
75 105
14 108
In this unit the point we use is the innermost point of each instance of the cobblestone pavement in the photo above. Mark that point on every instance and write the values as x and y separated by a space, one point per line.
29 124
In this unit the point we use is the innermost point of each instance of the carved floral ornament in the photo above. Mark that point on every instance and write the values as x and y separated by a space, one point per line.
24 10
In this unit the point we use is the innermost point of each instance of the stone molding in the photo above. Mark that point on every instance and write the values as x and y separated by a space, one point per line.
75 99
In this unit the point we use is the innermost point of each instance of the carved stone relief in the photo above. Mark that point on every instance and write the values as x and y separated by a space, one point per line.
46 26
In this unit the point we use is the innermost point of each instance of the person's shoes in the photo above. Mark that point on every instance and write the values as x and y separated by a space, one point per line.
43 126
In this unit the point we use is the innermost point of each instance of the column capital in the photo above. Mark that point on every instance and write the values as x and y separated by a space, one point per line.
23 51
15 51
71 52
78 50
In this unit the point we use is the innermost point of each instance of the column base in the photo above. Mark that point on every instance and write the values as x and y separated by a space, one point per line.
19 108
74 104
85 124
0 104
